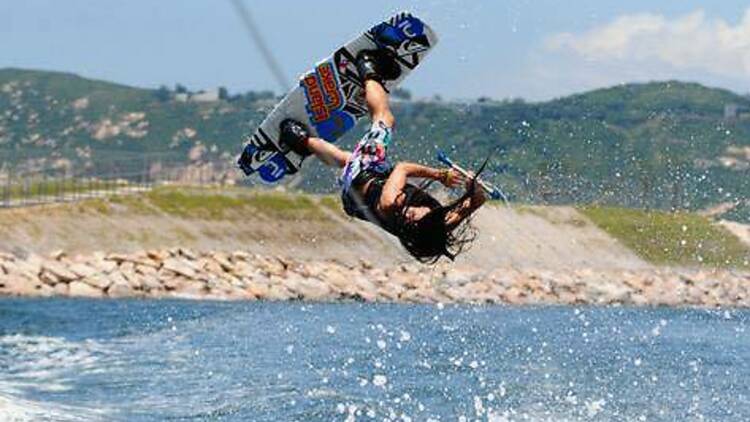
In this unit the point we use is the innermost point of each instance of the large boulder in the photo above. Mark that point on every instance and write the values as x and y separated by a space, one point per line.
459 276
168 279
82 270
59 272
271 266
146 271
103 265
278 292
133 278
99 281
17 269
18 285
190 289
420 295
390 292
241 256
120 290
258 290
223 260
61 289
45 290
157 256
81 289
308 288
182 267
32 264
152 284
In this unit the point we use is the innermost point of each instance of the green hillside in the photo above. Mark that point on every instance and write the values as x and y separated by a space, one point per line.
107 125
665 145
655 145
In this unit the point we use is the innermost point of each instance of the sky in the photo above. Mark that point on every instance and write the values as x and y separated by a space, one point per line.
535 50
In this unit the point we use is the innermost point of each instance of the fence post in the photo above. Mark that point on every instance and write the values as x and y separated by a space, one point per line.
58 190
40 188
142 178
25 189
44 188
7 186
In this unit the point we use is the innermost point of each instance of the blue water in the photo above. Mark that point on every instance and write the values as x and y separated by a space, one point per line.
155 360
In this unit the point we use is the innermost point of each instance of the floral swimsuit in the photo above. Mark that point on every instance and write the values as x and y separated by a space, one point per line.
369 155
368 161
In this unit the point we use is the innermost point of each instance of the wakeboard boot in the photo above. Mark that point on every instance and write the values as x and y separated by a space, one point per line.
293 135
378 65
386 35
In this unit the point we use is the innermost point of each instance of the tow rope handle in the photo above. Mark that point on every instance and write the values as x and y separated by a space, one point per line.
493 191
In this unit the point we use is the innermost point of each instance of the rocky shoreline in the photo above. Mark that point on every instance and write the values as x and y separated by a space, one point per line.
182 273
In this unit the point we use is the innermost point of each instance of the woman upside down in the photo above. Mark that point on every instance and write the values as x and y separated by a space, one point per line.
375 190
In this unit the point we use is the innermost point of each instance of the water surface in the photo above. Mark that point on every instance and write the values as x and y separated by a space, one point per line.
67 359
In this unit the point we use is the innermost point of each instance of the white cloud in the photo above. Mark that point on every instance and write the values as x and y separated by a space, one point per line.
692 42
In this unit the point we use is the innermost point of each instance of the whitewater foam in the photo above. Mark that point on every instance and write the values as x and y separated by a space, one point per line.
41 364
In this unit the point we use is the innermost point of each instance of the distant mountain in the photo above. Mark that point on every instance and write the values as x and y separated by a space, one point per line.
663 145
669 145
96 125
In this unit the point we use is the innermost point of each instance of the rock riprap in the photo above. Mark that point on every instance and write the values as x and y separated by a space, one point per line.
182 273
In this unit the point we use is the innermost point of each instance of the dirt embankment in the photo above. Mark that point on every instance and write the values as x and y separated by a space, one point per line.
122 225
529 237
259 245
742 231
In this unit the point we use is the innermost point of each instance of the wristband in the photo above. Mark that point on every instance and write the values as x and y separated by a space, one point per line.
446 176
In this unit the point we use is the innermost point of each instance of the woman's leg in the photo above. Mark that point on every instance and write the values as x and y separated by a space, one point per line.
327 152
377 103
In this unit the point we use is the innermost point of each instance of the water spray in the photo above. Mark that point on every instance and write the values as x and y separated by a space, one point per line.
492 190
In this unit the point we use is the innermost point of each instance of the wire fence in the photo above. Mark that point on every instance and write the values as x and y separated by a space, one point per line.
20 188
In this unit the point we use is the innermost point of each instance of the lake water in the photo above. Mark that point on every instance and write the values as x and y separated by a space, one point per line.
65 359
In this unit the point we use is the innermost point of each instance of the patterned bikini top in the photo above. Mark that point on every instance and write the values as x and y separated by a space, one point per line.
365 207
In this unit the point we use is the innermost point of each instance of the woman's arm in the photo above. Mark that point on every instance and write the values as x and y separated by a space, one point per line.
418 170
392 198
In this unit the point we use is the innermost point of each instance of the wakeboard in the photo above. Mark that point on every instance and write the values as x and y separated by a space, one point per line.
330 97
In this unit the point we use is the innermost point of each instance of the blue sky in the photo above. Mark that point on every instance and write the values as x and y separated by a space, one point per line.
512 48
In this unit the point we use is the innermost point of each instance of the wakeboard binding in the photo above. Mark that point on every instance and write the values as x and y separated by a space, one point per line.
293 135
379 65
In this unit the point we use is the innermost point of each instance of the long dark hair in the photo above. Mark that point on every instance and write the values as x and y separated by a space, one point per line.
430 238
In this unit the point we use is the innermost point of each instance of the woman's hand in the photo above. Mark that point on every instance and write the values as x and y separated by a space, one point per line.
472 201
478 195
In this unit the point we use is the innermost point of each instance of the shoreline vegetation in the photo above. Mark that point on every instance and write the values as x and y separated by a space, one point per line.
241 244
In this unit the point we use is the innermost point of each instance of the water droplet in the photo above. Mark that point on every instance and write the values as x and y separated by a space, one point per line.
379 380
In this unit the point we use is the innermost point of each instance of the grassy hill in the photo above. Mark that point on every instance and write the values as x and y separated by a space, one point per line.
655 145
104 125
663 145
